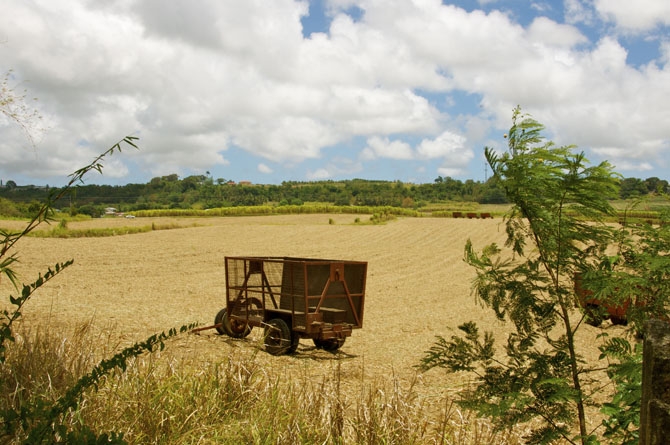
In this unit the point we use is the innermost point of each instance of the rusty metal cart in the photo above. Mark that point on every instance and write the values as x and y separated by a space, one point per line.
293 298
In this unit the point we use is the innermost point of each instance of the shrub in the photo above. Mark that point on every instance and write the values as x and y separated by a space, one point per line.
544 379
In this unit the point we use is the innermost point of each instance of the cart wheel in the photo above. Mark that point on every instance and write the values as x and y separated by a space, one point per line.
255 307
331 344
278 338
218 320
232 328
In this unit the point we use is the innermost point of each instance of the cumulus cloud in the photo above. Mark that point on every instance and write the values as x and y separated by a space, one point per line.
318 174
444 145
447 147
337 166
384 148
207 84
547 32
638 16
264 168
577 11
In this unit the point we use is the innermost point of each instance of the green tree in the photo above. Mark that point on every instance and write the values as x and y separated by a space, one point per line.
633 188
555 228
492 193
656 185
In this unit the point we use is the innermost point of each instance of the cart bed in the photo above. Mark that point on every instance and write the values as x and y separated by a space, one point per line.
318 298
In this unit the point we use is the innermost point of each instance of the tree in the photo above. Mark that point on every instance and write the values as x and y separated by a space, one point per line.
633 188
554 229
492 193
656 185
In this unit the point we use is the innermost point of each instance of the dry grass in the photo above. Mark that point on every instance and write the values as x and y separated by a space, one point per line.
163 398
128 287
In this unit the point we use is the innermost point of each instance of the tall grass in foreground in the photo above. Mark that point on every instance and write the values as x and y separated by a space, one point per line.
163 400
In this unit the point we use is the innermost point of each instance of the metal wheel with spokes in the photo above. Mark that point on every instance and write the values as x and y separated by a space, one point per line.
235 327
231 327
278 338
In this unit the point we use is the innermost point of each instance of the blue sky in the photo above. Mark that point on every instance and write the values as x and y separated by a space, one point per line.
330 89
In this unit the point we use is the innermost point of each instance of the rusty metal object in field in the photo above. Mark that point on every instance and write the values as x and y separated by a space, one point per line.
293 298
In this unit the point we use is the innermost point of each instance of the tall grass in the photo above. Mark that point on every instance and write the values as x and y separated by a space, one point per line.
165 400
279 210
63 231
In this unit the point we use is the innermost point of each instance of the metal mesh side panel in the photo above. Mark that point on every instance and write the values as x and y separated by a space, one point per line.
252 279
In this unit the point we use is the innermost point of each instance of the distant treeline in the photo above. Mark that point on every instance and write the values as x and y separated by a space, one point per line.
203 192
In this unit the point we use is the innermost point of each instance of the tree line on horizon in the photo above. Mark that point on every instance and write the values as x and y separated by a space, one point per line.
203 191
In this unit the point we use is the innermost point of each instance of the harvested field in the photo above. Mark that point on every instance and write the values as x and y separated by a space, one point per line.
132 286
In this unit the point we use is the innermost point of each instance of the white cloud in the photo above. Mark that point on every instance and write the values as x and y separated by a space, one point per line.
194 80
547 32
318 174
378 147
448 147
445 145
264 168
576 11
450 171
636 16
641 167
337 166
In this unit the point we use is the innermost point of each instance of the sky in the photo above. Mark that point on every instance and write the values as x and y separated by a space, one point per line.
285 90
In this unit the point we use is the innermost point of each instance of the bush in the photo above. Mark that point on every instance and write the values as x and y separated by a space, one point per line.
544 381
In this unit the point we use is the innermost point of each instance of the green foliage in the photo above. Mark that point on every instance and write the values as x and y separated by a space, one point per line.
382 217
9 209
625 370
460 354
61 231
279 210
639 272
636 276
201 192
554 228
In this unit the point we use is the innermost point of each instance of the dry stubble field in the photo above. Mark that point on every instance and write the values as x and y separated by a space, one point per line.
132 286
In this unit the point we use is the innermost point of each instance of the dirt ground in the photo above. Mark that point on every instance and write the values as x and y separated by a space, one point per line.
418 286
